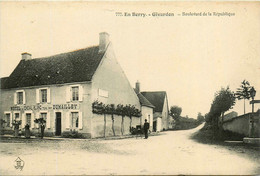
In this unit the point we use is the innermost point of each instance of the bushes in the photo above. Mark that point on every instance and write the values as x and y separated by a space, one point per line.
72 134
186 123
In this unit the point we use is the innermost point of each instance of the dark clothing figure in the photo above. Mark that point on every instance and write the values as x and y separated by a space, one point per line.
146 128
27 131
16 129
42 130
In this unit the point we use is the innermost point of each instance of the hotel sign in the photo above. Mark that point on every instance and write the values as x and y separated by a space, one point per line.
45 107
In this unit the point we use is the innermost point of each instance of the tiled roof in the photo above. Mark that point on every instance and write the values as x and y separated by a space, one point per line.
156 98
144 101
76 66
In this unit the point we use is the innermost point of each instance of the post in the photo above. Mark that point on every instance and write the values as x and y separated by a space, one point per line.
251 134
251 118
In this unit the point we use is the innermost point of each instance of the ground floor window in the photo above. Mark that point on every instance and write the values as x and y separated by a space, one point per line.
28 118
75 119
16 116
44 116
7 118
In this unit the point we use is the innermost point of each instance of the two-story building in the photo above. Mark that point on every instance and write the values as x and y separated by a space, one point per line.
62 88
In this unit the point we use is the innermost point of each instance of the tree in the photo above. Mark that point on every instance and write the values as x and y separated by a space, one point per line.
112 111
121 110
224 100
41 121
200 117
243 92
175 112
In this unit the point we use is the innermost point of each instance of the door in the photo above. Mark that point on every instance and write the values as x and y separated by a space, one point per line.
58 124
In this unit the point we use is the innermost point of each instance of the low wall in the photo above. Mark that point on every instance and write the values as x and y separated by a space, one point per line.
240 124
98 125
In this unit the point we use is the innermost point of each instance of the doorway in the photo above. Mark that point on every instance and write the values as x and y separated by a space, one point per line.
58 124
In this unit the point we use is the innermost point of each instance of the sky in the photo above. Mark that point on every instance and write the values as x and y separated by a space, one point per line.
190 57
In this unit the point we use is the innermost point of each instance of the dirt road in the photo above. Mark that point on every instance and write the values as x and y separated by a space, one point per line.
170 153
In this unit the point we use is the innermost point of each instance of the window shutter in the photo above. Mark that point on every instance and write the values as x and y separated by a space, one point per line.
48 95
37 96
67 125
24 100
80 93
48 121
68 94
15 98
11 119
23 120
32 120
80 120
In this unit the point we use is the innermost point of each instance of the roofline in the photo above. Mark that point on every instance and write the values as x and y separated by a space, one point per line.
71 83
148 106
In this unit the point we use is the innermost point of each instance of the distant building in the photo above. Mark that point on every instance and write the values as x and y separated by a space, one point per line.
146 107
159 101
62 88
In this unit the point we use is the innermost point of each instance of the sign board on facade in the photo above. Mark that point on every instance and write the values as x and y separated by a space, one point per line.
45 107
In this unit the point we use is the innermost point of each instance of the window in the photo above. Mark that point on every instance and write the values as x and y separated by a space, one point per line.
75 93
16 116
19 97
75 119
43 95
44 116
28 118
7 117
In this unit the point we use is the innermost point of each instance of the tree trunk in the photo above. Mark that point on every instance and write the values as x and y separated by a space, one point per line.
105 125
130 123
244 106
122 126
113 127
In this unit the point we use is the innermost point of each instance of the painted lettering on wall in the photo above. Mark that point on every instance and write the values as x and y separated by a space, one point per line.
45 107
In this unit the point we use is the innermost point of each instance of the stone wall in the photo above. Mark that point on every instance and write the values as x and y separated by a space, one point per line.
98 125
240 124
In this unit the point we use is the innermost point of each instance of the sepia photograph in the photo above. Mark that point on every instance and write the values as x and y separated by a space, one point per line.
129 88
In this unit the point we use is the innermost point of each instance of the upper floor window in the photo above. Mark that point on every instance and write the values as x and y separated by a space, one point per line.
75 93
19 97
43 95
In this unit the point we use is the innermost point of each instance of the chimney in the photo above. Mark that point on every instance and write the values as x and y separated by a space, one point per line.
103 41
137 86
26 56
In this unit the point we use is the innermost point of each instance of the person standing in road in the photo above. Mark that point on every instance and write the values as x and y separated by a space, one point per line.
146 128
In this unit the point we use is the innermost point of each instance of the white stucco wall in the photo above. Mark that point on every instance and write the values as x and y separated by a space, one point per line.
165 115
146 112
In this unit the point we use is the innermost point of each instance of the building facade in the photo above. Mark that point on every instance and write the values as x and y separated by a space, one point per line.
62 88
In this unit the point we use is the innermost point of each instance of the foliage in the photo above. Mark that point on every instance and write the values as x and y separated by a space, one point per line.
200 117
72 134
243 92
120 109
223 101
175 112
185 123
16 123
40 120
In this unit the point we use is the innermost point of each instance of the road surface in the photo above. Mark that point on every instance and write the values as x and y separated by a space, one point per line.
171 152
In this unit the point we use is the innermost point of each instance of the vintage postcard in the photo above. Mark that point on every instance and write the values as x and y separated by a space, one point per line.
129 88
